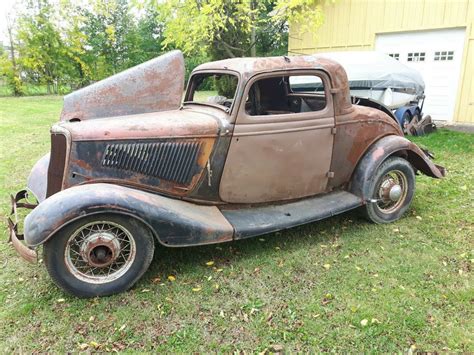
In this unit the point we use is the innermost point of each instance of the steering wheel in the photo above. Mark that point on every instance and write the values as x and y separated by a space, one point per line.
228 103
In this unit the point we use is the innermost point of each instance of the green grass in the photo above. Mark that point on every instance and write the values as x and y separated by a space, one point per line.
411 280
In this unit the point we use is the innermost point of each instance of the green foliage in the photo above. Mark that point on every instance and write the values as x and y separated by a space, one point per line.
64 45
11 77
222 28
306 15
42 50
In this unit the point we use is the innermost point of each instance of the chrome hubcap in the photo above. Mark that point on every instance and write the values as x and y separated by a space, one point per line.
100 252
392 191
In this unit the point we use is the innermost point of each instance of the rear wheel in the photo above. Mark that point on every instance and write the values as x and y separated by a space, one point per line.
99 255
391 189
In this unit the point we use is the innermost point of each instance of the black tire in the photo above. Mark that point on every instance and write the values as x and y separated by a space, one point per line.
382 188
109 241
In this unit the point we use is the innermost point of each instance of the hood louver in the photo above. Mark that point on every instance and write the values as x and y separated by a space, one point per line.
172 161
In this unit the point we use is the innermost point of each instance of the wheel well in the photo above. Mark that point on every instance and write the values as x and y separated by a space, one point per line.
120 213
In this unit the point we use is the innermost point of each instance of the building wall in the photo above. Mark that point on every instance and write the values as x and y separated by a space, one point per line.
353 25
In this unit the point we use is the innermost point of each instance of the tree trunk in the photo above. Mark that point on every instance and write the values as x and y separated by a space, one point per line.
253 33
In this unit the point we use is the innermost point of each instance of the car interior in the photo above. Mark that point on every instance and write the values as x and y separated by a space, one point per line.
282 95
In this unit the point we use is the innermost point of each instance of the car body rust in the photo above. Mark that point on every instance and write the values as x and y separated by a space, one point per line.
196 172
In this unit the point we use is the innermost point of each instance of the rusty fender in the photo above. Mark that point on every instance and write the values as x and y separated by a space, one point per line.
37 180
382 149
173 222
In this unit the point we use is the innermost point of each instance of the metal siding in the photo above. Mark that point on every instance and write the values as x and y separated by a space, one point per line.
353 25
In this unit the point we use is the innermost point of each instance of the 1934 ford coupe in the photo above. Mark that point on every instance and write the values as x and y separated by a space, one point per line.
246 152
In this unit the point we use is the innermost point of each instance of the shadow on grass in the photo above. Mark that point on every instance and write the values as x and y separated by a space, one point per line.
169 261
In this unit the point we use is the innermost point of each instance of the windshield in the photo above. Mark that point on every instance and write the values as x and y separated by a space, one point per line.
213 88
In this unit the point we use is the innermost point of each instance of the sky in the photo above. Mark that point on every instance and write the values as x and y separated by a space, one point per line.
5 7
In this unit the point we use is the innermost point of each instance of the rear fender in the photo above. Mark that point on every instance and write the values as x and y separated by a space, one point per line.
173 222
381 150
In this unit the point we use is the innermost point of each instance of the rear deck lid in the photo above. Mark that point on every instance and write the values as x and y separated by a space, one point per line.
156 85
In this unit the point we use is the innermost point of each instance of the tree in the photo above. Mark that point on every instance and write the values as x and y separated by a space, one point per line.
8 62
235 28
42 52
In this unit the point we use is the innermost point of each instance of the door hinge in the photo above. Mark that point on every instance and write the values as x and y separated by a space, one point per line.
330 174
333 130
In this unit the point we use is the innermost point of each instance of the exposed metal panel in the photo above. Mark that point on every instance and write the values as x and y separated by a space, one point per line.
156 85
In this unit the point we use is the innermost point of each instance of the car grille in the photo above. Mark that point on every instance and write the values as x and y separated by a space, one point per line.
172 161
57 163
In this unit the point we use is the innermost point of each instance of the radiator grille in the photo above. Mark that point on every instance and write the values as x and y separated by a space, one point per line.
57 162
172 161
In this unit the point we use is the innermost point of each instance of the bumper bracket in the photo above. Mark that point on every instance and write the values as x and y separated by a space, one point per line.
15 237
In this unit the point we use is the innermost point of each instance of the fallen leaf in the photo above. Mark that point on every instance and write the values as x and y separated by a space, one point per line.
358 268
419 218
83 346
145 290
327 266
156 280
219 270
375 321
94 344
171 278
209 278
210 263
197 289
61 300
122 327
364 322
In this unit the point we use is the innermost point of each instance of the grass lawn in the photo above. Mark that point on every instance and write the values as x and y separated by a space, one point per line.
309 288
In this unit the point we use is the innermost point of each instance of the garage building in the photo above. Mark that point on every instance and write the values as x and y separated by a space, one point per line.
434 36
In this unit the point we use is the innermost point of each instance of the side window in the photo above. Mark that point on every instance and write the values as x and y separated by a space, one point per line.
286 95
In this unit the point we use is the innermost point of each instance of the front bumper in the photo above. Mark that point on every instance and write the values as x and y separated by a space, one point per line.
14 237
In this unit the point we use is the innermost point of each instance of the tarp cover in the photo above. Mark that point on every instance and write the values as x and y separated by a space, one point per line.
375 70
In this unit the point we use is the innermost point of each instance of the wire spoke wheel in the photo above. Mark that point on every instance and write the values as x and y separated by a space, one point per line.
100 252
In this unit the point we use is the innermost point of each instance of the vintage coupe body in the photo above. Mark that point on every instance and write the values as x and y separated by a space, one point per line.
132 165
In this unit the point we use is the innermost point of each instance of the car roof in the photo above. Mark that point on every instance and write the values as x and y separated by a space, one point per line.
247 67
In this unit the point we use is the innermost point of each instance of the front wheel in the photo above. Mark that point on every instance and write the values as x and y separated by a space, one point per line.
99 255
391 189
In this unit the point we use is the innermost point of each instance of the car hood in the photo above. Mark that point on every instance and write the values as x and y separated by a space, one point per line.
156 85
166 124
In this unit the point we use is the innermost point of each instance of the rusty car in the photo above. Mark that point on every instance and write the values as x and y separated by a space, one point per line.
134 164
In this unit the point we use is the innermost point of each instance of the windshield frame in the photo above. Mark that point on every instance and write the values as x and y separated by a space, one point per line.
190 89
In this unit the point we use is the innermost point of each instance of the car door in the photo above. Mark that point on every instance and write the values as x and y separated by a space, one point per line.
282 143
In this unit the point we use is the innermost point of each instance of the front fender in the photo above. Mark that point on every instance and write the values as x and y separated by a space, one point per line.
174 222
38 178
380 151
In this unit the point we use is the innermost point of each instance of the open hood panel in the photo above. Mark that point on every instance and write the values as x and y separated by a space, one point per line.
156 85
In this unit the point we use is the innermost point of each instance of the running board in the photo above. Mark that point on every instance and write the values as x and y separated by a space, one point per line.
253 221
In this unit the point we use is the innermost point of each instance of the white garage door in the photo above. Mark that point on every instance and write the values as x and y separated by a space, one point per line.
437 56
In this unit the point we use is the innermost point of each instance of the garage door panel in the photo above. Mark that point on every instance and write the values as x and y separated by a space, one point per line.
437 56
